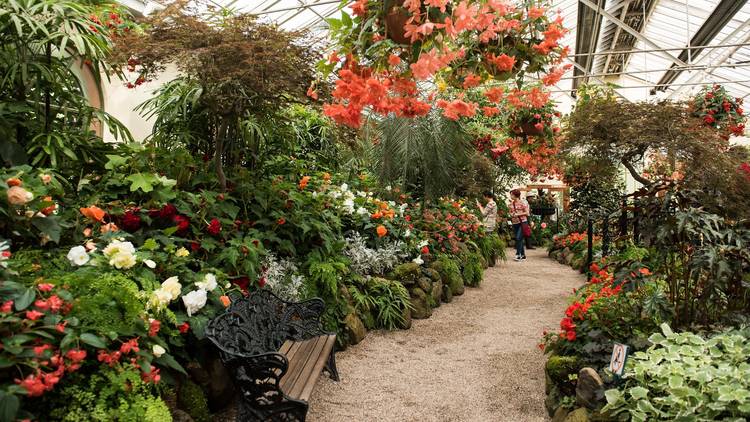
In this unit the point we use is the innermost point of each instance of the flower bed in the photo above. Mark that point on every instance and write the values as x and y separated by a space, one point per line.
129 275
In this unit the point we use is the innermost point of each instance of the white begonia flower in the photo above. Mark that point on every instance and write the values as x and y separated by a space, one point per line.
349 206
194 301
344 187
363 211
388 188
422 244
228 285
172 286
117 246
160 298
418 260
182 252
149 263
208 283
122 260
158 350
78 255
407 233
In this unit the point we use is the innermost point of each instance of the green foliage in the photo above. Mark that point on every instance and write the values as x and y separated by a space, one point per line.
107 302
191 399
407 272
472 268
45 117
492 247
450 271
405 152
685 376
702 256
116 393
385 300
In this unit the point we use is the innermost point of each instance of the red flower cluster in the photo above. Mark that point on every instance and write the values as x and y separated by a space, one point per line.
214 227
131 221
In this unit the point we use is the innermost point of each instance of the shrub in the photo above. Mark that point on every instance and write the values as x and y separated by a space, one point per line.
114 393
381 302
450 272
107 302
473 269
192 400
684 376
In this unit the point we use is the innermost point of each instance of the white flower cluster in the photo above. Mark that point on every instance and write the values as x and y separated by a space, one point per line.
170 290
368 261
282 277
121 254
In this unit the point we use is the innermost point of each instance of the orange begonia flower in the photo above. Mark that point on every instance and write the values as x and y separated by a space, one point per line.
94 213
303 183
382 231
225 300
111 227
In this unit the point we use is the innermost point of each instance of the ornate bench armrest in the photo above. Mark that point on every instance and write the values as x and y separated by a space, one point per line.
302 319
266 366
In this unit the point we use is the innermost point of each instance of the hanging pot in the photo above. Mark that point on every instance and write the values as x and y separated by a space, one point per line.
530 129
394 22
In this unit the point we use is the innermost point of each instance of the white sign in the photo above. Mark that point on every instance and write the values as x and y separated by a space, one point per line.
619 355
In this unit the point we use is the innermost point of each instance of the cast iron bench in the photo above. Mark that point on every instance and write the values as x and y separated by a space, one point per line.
275 351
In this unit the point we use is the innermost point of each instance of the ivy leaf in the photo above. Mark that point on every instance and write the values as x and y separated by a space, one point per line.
115 161
93 340
142 181
639 393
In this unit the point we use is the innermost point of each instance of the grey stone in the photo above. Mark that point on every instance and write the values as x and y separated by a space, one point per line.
560 414
589 388
181 416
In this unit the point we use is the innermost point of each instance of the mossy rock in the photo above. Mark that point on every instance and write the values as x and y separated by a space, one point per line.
407 273
420 302
437 293
433 274
405 323
447 294
425 284
578 415
368 319
450 274
354 328
192 400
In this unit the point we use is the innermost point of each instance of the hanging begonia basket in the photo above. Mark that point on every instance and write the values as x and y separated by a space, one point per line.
395 21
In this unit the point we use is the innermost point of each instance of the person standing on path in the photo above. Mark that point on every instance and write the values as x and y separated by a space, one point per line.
519 212
489 212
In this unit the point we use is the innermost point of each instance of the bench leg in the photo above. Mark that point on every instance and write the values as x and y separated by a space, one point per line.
331 366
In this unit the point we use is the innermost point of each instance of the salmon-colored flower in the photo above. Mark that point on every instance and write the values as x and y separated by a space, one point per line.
19 196
225 300
381 231
110 227
14 181
94 213
304 182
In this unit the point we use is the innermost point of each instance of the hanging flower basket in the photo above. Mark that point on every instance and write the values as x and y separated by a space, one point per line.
394 22
530 129
543 210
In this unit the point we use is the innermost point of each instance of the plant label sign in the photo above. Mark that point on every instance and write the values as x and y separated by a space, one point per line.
619 356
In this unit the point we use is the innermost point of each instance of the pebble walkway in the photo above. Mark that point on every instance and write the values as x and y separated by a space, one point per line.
476 359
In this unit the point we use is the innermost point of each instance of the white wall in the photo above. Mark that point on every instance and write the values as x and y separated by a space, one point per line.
121 101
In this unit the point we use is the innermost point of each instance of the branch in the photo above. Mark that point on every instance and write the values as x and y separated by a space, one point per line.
634 173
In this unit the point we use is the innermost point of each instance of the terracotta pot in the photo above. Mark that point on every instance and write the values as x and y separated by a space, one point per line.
530 129
395 21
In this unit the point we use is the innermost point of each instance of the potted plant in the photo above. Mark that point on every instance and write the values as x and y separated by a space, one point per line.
543 204
536 121
719 110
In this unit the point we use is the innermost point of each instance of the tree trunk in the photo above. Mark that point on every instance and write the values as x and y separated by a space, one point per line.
219 152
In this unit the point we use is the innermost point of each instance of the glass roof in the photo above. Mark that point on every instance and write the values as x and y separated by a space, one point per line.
634 44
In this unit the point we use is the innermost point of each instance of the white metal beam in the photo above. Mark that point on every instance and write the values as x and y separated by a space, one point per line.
627 28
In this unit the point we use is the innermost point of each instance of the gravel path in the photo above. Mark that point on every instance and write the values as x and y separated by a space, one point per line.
476 359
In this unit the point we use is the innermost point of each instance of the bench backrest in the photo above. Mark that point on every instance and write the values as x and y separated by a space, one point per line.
262 322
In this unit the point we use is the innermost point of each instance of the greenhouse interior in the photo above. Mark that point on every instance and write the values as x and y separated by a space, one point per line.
374 210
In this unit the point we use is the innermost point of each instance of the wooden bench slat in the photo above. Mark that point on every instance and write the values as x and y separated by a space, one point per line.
297 358
307 369
285 347
315 374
